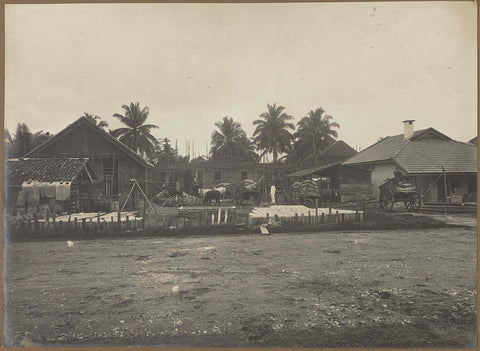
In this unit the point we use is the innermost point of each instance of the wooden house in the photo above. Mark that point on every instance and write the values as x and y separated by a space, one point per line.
115 165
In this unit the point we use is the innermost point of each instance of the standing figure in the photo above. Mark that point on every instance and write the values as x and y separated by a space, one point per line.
273 189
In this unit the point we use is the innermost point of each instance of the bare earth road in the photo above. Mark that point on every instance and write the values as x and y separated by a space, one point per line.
370 289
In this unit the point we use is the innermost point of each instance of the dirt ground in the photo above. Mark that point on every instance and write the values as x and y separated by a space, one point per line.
346 289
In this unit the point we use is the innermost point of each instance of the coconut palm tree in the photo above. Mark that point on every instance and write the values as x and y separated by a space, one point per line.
272 134
96 120
23 140
137 134
230 141
314 132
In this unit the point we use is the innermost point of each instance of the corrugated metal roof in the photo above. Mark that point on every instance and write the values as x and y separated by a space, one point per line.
19 171
426 152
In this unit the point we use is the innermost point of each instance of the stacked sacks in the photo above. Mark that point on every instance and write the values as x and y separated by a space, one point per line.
306 188
249 185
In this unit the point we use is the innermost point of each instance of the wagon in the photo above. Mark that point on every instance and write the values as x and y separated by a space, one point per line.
247 189
398 189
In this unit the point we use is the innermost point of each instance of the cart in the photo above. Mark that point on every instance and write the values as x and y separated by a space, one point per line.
247 189
398 189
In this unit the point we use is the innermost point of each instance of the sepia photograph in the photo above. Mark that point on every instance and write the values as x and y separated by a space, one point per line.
296 175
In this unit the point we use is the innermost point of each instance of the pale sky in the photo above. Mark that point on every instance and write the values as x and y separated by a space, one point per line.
369 65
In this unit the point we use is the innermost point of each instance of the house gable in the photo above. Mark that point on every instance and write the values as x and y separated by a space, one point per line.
84 138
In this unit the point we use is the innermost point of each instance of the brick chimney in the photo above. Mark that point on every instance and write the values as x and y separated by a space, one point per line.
408 128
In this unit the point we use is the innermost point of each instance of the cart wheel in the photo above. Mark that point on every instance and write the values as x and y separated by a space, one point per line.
238 197
413 204
387 199
309 202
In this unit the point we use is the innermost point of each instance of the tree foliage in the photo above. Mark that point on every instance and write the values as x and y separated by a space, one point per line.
272 134
314 133
96 120
230 142
136 135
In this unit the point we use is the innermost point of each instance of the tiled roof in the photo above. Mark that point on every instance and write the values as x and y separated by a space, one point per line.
18 171
429 155
425 152
97 129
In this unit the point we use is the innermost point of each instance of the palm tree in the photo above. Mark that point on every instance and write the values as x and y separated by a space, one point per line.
137 134
23 140
314 132
8 145
96 120
39 138
272 133
230 141
249 150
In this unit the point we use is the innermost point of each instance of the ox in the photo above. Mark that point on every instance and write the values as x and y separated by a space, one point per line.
212 195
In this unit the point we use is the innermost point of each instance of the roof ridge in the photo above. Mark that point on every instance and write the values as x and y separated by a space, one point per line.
94 127
401 149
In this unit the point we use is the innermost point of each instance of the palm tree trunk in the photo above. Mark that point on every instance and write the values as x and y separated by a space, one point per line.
314 152
135 140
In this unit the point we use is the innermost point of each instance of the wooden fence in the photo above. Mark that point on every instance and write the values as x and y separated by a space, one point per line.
77 224
312 218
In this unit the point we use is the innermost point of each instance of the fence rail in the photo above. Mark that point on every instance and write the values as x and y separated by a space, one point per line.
312 218
102 223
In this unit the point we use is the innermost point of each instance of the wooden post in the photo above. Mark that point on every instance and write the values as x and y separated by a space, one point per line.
336 217
296 218
213 219
309 219
128 223
91 224
119 221
329 210
219 215
98 221
35 219
225 220
445 183
234 217
364 210
48 214
53 221
343 217
75 222
323 218
357 217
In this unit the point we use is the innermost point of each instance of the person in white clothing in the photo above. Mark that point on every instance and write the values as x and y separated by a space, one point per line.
273 189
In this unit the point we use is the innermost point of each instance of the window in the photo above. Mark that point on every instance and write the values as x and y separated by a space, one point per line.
217 176
243 175
110 176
